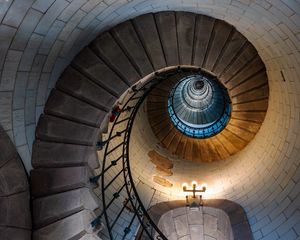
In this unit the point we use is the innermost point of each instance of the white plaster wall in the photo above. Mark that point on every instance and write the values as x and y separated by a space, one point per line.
38 39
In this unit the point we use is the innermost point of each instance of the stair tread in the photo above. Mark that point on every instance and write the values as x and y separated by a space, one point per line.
107 48
246 55
242 133
66 106
254 82
249 126
76 84
254 94
253 68
166 25
232 49
219 36
204 24
146 28
129 40
185 34
249 116
94 68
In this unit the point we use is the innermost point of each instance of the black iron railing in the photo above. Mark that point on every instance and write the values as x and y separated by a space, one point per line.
118 141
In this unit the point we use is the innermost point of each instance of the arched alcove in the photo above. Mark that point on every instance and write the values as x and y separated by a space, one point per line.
234 216
196 224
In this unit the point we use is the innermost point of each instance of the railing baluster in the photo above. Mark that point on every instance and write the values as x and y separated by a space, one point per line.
95 179
128 228
101 144
115 196
123 120
114 178
133 203
109 152
117 218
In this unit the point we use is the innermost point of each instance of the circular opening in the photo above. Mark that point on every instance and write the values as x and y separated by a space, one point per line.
198 85
199 106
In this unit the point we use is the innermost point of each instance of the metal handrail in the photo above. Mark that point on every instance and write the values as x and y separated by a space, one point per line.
139 211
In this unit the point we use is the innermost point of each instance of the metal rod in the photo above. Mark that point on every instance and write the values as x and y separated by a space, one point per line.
109 152
139 210
96 178
123 120
114 178
117 218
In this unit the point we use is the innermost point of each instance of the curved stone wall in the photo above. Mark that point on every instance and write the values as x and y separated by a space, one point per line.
38 39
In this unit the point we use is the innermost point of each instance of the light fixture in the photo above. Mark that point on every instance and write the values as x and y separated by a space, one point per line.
194 189
196 203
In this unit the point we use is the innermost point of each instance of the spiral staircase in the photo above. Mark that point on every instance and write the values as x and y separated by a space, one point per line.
162 48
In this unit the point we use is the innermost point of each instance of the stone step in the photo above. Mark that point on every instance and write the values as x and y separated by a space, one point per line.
231 51
108 49
253 68
49 181
175 142
237 141
254 94
63 155
95 69
220 148
70 228
254 82
15 211
259 105
185 33
56 129
89 236
63 105
244 57
257 117
11 233
229 146
242 133
49 209
7 148
128 39
13 178
166 26
247 125
219 37
147 31
203 30
169 137
76 84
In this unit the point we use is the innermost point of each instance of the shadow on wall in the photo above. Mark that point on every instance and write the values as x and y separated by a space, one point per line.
15 215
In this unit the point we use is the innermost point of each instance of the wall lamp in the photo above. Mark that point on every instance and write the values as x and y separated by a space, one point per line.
194 190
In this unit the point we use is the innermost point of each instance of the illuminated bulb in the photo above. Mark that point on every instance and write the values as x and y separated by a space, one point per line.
194 183
184 185
204 186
